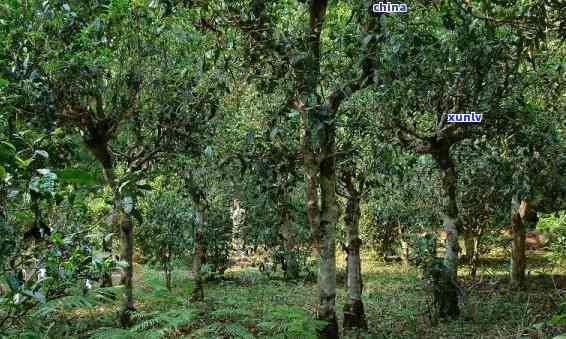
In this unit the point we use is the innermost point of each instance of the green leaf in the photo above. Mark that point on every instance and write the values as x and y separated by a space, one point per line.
3 172
7 151
8 146
4 82
558 320
76 176
23 163
57 239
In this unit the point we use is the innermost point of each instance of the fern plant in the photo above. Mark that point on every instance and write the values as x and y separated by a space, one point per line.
165 322
61 305
285 321
231 330
229 313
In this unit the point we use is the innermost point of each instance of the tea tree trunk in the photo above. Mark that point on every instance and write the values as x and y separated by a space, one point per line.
107 275
354 316
292 268
328 219
198 255
99 146
404 247
469 246
127 236
518 259
475 255
448 302
166 265
167 272
100 151
311 181
518 255
319 146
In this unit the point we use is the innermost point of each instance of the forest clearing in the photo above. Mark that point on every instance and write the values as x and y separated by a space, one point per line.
282 169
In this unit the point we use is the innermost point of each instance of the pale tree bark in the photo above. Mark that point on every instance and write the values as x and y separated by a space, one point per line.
165 258
127 255
475 254
472 234
518 254
323 227
450 289
328 220
238 217
354 315
404 247
167 272
198 254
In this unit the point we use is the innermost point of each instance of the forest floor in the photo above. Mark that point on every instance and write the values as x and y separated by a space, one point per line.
250 305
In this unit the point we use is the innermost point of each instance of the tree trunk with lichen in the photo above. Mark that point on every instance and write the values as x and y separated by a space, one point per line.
448 303
319 147
404 247
166 266
127 255
469 246
167 271
328 219
354 315
518 254
323 223
107 274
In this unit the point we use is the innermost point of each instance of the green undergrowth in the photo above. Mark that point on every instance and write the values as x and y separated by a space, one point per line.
398 303
248 304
